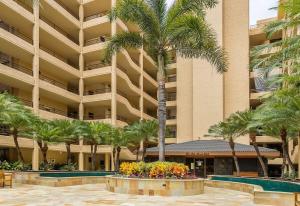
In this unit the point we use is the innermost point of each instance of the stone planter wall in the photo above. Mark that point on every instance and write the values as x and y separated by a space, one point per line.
155 187
259 195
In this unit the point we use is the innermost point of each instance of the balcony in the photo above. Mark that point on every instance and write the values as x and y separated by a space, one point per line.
59 84
53 110
14 31
171 97
97 40
7 60
97 91
94 16
59 29
58 57
67 9
96 65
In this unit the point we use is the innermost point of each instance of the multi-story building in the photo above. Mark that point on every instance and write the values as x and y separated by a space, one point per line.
258 90
51 58
198 96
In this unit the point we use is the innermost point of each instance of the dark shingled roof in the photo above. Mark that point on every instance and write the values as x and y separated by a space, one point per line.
209 146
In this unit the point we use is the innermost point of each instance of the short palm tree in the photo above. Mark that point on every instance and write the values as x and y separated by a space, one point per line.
94 134
119 138
70 131
280 113
229 131
145 131
244 120
45 133
17 117
181 28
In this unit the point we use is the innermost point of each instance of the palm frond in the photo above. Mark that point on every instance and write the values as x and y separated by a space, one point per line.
122 41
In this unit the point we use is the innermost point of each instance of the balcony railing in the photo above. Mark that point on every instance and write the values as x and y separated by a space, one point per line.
171 117
171 78
7 60
94 117
52 110
26 102
123 94
58 56
14 31
67 9
96 65
94 16
171 97
59 29
97 40
59 84
25 5
97 91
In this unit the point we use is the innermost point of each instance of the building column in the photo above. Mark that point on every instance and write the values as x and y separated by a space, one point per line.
36 70
113 75
107 161
81 84
141 83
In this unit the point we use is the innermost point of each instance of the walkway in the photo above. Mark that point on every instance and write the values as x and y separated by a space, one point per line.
92 195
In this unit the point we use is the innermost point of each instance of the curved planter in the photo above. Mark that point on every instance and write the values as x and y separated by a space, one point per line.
160 187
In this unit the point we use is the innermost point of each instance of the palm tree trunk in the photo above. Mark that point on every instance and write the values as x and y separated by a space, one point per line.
283 166
261 161
15 137
137 154
237 167
283 135
118 158
94 156
44 149
144 151
69 158
114 157
162 107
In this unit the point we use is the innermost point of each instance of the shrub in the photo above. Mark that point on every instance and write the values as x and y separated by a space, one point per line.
154 170
69 167
15 166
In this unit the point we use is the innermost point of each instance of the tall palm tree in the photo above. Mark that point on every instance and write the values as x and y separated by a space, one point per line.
70 131
181 28
17 117
95 133
45 133
244 120
229 131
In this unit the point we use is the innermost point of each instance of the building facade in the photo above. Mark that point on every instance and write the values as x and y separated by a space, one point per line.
51 59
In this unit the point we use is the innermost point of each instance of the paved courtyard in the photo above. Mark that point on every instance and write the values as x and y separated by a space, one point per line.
88 195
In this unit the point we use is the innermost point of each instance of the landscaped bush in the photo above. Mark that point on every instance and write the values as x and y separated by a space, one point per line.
15 166
154 170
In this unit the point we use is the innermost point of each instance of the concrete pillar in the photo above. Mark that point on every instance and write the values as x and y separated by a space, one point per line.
141 82
107 161
113 75
81 84
36 70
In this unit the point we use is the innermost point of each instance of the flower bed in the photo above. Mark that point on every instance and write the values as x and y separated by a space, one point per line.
155 170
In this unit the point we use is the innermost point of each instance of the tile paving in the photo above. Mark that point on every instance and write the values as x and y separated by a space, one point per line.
92 195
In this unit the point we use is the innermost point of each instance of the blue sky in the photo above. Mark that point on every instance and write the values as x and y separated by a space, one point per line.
259 9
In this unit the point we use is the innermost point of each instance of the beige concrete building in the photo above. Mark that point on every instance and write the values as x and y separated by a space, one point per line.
199 97
51 59
258 37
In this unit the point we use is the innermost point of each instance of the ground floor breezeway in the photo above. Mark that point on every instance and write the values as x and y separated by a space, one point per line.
59 158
